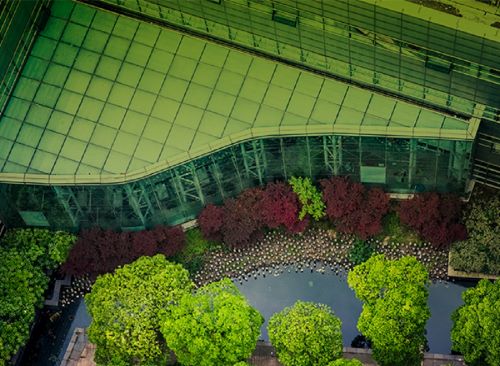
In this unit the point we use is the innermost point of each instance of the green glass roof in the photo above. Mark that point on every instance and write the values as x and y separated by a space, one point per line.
105 99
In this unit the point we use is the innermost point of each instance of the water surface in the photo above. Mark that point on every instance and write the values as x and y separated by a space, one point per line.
272 293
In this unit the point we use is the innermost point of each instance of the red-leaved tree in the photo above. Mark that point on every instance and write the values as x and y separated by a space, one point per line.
352 208
243 221
437 218
210 221
99 251
280 207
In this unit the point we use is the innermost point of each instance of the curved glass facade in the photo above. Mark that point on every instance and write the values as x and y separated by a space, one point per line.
177 195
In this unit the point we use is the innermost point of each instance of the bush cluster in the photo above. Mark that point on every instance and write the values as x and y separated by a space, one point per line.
241 220
99 251
27 255
353 208
437 218
350 206
481 251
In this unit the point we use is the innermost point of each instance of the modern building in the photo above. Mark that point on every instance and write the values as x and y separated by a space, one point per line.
129 113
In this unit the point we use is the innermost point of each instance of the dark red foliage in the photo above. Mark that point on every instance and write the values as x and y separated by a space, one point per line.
169 240
437 218
210 221
243 221
280 207
100 251
352 208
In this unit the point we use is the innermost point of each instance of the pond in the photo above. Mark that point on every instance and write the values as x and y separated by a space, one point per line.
272 293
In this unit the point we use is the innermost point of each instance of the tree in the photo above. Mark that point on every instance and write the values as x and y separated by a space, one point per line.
213 327
309 197
481 251
395 310
21 291
27 254
280 207
475 325
346 362
437 218
125 307
243 221
99 251
306 334
352 208
211 220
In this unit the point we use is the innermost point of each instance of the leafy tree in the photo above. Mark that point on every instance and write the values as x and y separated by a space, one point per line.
346 362
211 220
21 291
125 307
243 221
27 254
352 208
481 251
306 334
280 207
437 218
395 310
309 197
99 251
213 327
475 325
360 252
45 249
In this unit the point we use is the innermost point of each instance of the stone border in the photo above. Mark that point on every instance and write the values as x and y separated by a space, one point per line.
54 300
468 275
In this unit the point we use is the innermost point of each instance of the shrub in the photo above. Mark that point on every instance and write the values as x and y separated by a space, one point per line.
360 252
437 218
309 198
481 251
193 254
45 249
242 220
352 208
211 221
280 207
100 251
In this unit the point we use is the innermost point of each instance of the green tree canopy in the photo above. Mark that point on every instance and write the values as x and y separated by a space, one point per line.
306 334
27 254
346 362
481 251
215 326
309 197
475 331
125 307
394 295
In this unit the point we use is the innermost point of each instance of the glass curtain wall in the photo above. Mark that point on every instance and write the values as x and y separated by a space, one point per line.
397 164
20 22
400 53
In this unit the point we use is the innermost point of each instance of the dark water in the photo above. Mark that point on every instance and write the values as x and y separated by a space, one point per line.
52 333
272 293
